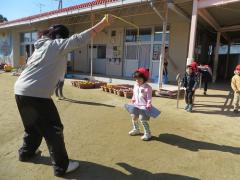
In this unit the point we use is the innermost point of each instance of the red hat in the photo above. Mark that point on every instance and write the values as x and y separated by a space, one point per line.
238 67
194 65
144 71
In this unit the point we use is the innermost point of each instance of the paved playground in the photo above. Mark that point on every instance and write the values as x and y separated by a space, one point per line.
202 145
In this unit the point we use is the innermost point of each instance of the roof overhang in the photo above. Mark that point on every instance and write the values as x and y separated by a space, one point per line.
223 16
211 3
78 9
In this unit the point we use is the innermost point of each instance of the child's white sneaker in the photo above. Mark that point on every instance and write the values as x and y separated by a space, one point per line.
72 166
134 132
146 137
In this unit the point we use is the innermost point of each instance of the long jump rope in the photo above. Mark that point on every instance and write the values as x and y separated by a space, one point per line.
129 23
125 21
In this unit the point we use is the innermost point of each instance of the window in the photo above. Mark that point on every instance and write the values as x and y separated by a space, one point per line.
94 46
101 52
144 35
131 52
131 35
34 37
113 33
29 37
70 56
158 34
27 43
234 49
156 51
25 37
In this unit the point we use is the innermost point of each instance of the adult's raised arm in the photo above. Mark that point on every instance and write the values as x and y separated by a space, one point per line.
76 40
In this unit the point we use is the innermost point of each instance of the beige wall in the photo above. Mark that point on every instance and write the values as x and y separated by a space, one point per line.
105 38
80 56
179 35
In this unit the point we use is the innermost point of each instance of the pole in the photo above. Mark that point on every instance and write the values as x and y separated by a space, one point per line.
60 4
178 78
228 59
200 81
193 30
215 65
91 70
162 56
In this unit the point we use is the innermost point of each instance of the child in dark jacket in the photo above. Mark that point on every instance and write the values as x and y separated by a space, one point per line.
189 82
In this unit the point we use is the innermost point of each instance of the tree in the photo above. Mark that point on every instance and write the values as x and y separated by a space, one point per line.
2 18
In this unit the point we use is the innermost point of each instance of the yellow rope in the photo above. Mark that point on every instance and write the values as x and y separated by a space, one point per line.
127 22
123 20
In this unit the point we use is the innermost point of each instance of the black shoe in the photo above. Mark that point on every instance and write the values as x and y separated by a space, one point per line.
30 157
205 93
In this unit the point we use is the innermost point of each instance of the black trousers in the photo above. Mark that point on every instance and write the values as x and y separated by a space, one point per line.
41 120
189 96
205 80
59 89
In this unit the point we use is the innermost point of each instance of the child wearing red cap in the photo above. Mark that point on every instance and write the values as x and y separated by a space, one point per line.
236 88
142 99
189 82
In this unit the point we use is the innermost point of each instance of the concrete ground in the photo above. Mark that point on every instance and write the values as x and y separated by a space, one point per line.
202 145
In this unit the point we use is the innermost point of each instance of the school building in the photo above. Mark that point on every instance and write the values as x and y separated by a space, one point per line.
205 30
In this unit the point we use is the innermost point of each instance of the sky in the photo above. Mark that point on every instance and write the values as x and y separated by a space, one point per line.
14 9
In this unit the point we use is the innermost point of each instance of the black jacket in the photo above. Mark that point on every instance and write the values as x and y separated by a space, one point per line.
190 81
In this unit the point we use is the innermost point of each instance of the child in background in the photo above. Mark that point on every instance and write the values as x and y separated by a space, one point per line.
236 88
142 99
190 82
59 88
206 73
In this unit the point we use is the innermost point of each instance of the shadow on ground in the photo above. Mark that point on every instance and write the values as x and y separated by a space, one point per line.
193 145
88 103
92 171
222 108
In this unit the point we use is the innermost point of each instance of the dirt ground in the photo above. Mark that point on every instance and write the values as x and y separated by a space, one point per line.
202 145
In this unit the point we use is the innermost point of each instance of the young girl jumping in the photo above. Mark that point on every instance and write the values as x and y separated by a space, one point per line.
142 100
